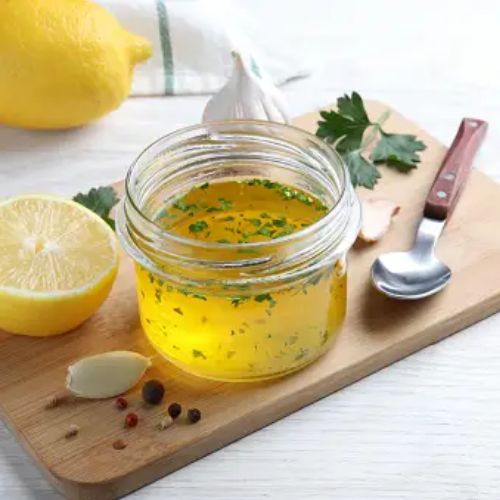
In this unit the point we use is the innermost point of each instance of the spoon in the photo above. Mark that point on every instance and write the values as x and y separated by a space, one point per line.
418 273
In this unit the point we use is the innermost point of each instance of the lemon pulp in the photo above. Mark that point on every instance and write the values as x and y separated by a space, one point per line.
57 264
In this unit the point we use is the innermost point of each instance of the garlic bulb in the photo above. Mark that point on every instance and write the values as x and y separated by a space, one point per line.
249 94
106 375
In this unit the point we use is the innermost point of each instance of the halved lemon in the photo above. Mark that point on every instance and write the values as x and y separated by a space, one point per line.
58 261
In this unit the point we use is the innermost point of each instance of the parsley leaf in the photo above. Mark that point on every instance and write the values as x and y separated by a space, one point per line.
345 127
264 231
100 200
225 204
345 130
237 300
198 227
353 107
398 151
183 206
363 173
198 354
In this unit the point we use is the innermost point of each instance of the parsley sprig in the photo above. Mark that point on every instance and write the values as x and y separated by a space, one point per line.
100 200
345 129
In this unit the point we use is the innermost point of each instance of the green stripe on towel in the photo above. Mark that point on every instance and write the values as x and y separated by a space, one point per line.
166 47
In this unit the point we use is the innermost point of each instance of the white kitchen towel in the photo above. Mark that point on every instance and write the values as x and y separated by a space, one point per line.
192 42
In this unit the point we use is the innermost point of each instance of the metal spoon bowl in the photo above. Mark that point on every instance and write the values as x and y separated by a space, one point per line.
414 274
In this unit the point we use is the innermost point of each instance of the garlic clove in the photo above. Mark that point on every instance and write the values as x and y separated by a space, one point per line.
377 217
248 94
106 375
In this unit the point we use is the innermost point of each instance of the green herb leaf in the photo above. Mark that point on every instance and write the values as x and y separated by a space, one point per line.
262 297
198 354
198 226
398 151
363 172
265 297
238 299
303 198
225 204
345 128
289 229
255 222
199 296
182 205
265 231
353 108
280 222
100 200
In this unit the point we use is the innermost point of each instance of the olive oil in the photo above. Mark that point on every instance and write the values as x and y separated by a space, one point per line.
251 334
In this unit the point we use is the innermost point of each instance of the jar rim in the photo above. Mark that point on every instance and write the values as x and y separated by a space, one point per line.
212 245
184 157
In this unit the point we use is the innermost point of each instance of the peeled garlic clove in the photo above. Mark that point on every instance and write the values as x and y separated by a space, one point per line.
248 94
106 375
377 216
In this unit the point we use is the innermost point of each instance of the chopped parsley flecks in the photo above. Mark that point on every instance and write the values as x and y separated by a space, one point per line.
183 206
198 354
198 226
263 297
239 212
238 300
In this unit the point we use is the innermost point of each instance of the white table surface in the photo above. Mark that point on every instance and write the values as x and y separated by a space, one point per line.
425 428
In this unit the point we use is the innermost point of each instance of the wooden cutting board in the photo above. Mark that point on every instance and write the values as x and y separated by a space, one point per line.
377 332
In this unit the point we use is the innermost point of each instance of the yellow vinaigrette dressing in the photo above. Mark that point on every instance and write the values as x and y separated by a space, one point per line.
239 232
246 333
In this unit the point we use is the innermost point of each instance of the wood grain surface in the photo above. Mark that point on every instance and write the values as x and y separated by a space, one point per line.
377 332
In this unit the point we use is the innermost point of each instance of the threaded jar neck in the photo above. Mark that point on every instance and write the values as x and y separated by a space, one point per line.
236 151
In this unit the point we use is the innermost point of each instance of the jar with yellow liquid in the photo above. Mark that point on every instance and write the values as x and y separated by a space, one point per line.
239 232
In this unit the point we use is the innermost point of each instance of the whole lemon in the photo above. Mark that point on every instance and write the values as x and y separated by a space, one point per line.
63 63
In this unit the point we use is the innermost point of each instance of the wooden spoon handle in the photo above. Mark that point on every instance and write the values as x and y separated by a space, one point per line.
455 169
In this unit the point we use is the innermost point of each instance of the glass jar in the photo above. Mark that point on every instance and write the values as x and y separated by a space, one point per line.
247 311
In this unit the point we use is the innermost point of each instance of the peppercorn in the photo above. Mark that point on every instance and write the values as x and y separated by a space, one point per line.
174 410
194 415
131 420
119 444
72 431
152 392
121 403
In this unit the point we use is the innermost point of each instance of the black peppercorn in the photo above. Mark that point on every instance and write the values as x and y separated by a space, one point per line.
174 410
194 415
152 392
